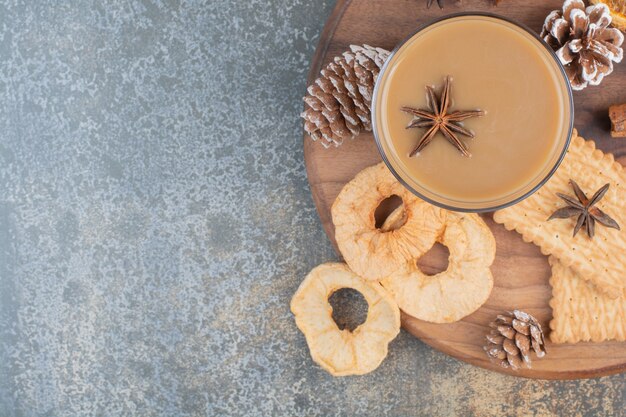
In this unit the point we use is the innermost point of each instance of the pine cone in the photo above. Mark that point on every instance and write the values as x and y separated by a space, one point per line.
339 101
584 43
618 12
513 337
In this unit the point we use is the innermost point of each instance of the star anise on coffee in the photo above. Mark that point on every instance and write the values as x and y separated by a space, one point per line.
585 209
437 119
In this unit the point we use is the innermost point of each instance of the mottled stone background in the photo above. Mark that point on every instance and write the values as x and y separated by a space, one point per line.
155 220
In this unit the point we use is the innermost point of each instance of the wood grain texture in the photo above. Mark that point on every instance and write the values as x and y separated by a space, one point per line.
521 272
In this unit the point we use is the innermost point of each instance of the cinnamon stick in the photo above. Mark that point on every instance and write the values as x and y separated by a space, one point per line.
617 114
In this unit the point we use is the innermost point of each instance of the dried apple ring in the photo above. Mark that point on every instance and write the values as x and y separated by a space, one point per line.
370 252
344 352
395 219
459 290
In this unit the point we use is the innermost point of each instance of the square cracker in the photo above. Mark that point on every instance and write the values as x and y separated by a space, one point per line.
581 312
601 260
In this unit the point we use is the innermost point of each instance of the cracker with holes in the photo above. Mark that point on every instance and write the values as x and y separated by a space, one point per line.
459 290
344 352
580 312
585 214
370 252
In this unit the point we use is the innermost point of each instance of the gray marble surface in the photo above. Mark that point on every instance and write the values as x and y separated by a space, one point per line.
155 220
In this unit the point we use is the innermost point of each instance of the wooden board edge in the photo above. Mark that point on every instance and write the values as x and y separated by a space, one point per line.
526 373
315 67
327 34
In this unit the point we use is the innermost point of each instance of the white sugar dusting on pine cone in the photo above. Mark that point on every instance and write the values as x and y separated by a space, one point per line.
513 337
338 103
584 43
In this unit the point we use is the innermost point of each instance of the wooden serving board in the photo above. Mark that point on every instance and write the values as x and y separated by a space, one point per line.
521 272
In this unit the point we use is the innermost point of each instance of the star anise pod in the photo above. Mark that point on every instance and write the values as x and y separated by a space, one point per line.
430 3
585 209
437 119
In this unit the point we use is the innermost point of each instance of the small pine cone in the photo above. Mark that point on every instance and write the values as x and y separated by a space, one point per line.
338 103
585 44
513 337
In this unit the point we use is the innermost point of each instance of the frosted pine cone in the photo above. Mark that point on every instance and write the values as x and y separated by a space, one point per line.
514 336
584 43
339 101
